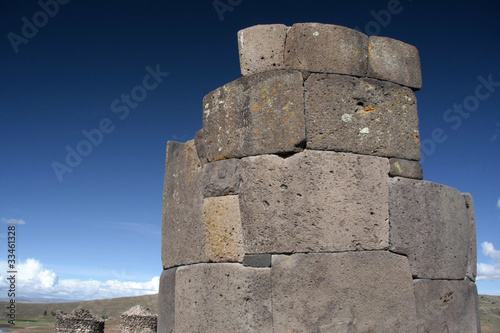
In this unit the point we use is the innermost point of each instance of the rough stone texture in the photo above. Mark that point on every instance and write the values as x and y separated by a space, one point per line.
364 116
429 224
395 61
199 140
405 168
472 262
262 48
223 298
183 224
166 301
79 321
223 229
369 291
314 202
221 178
326 48
257 260
138 320
258 114
447 306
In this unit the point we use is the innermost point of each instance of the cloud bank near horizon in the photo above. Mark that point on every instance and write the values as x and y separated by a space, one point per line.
33 280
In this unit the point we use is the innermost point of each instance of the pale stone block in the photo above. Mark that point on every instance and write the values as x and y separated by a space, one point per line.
314 202
262 48
405 168
369 291
223 229
392 60
326 48
215 298
447 306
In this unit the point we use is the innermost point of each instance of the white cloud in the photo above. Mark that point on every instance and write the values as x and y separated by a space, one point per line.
33 280
13 221
490 272
498 203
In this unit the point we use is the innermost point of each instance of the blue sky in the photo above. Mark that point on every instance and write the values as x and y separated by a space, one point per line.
94 232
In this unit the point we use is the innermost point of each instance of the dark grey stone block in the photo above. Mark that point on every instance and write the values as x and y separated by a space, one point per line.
183 224
257 260
221 178
405 168
363 116
254 115
166 301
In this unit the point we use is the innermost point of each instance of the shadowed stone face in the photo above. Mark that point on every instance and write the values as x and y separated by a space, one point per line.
364 116
430 224
314 202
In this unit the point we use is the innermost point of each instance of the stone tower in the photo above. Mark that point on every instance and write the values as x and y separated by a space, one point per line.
300 205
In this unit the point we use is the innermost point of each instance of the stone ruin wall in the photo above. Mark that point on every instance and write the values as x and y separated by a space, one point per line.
138 320
78 321
300 205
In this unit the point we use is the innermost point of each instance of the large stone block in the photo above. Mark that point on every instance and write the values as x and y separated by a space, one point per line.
183 224
395 61
364 116
214 298
472 257
405 168
326 48
221 178
262 48
429 224
314 202
223 229
166 301
258 114
370 291
446 306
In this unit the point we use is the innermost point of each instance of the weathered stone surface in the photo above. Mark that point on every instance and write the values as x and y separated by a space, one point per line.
429 224
314 202
262 48
199 141
472 256
405 168
223 298
223 229
257 260
258 114
326 48
183 224
80 320
446 306
138 320
364 116
370 291
221 178
395 61
166 301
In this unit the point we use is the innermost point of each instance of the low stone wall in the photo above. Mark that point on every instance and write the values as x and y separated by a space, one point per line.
78 321
138 320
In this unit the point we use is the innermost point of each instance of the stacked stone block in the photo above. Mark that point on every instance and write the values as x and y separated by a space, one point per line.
301 206
79 321
138 320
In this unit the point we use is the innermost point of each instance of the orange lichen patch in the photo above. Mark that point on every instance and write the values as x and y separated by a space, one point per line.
256 132
287 122
417 138
370 47
291 141
256 107
370 109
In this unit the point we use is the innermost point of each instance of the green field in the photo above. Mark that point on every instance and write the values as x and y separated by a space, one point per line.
40 317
